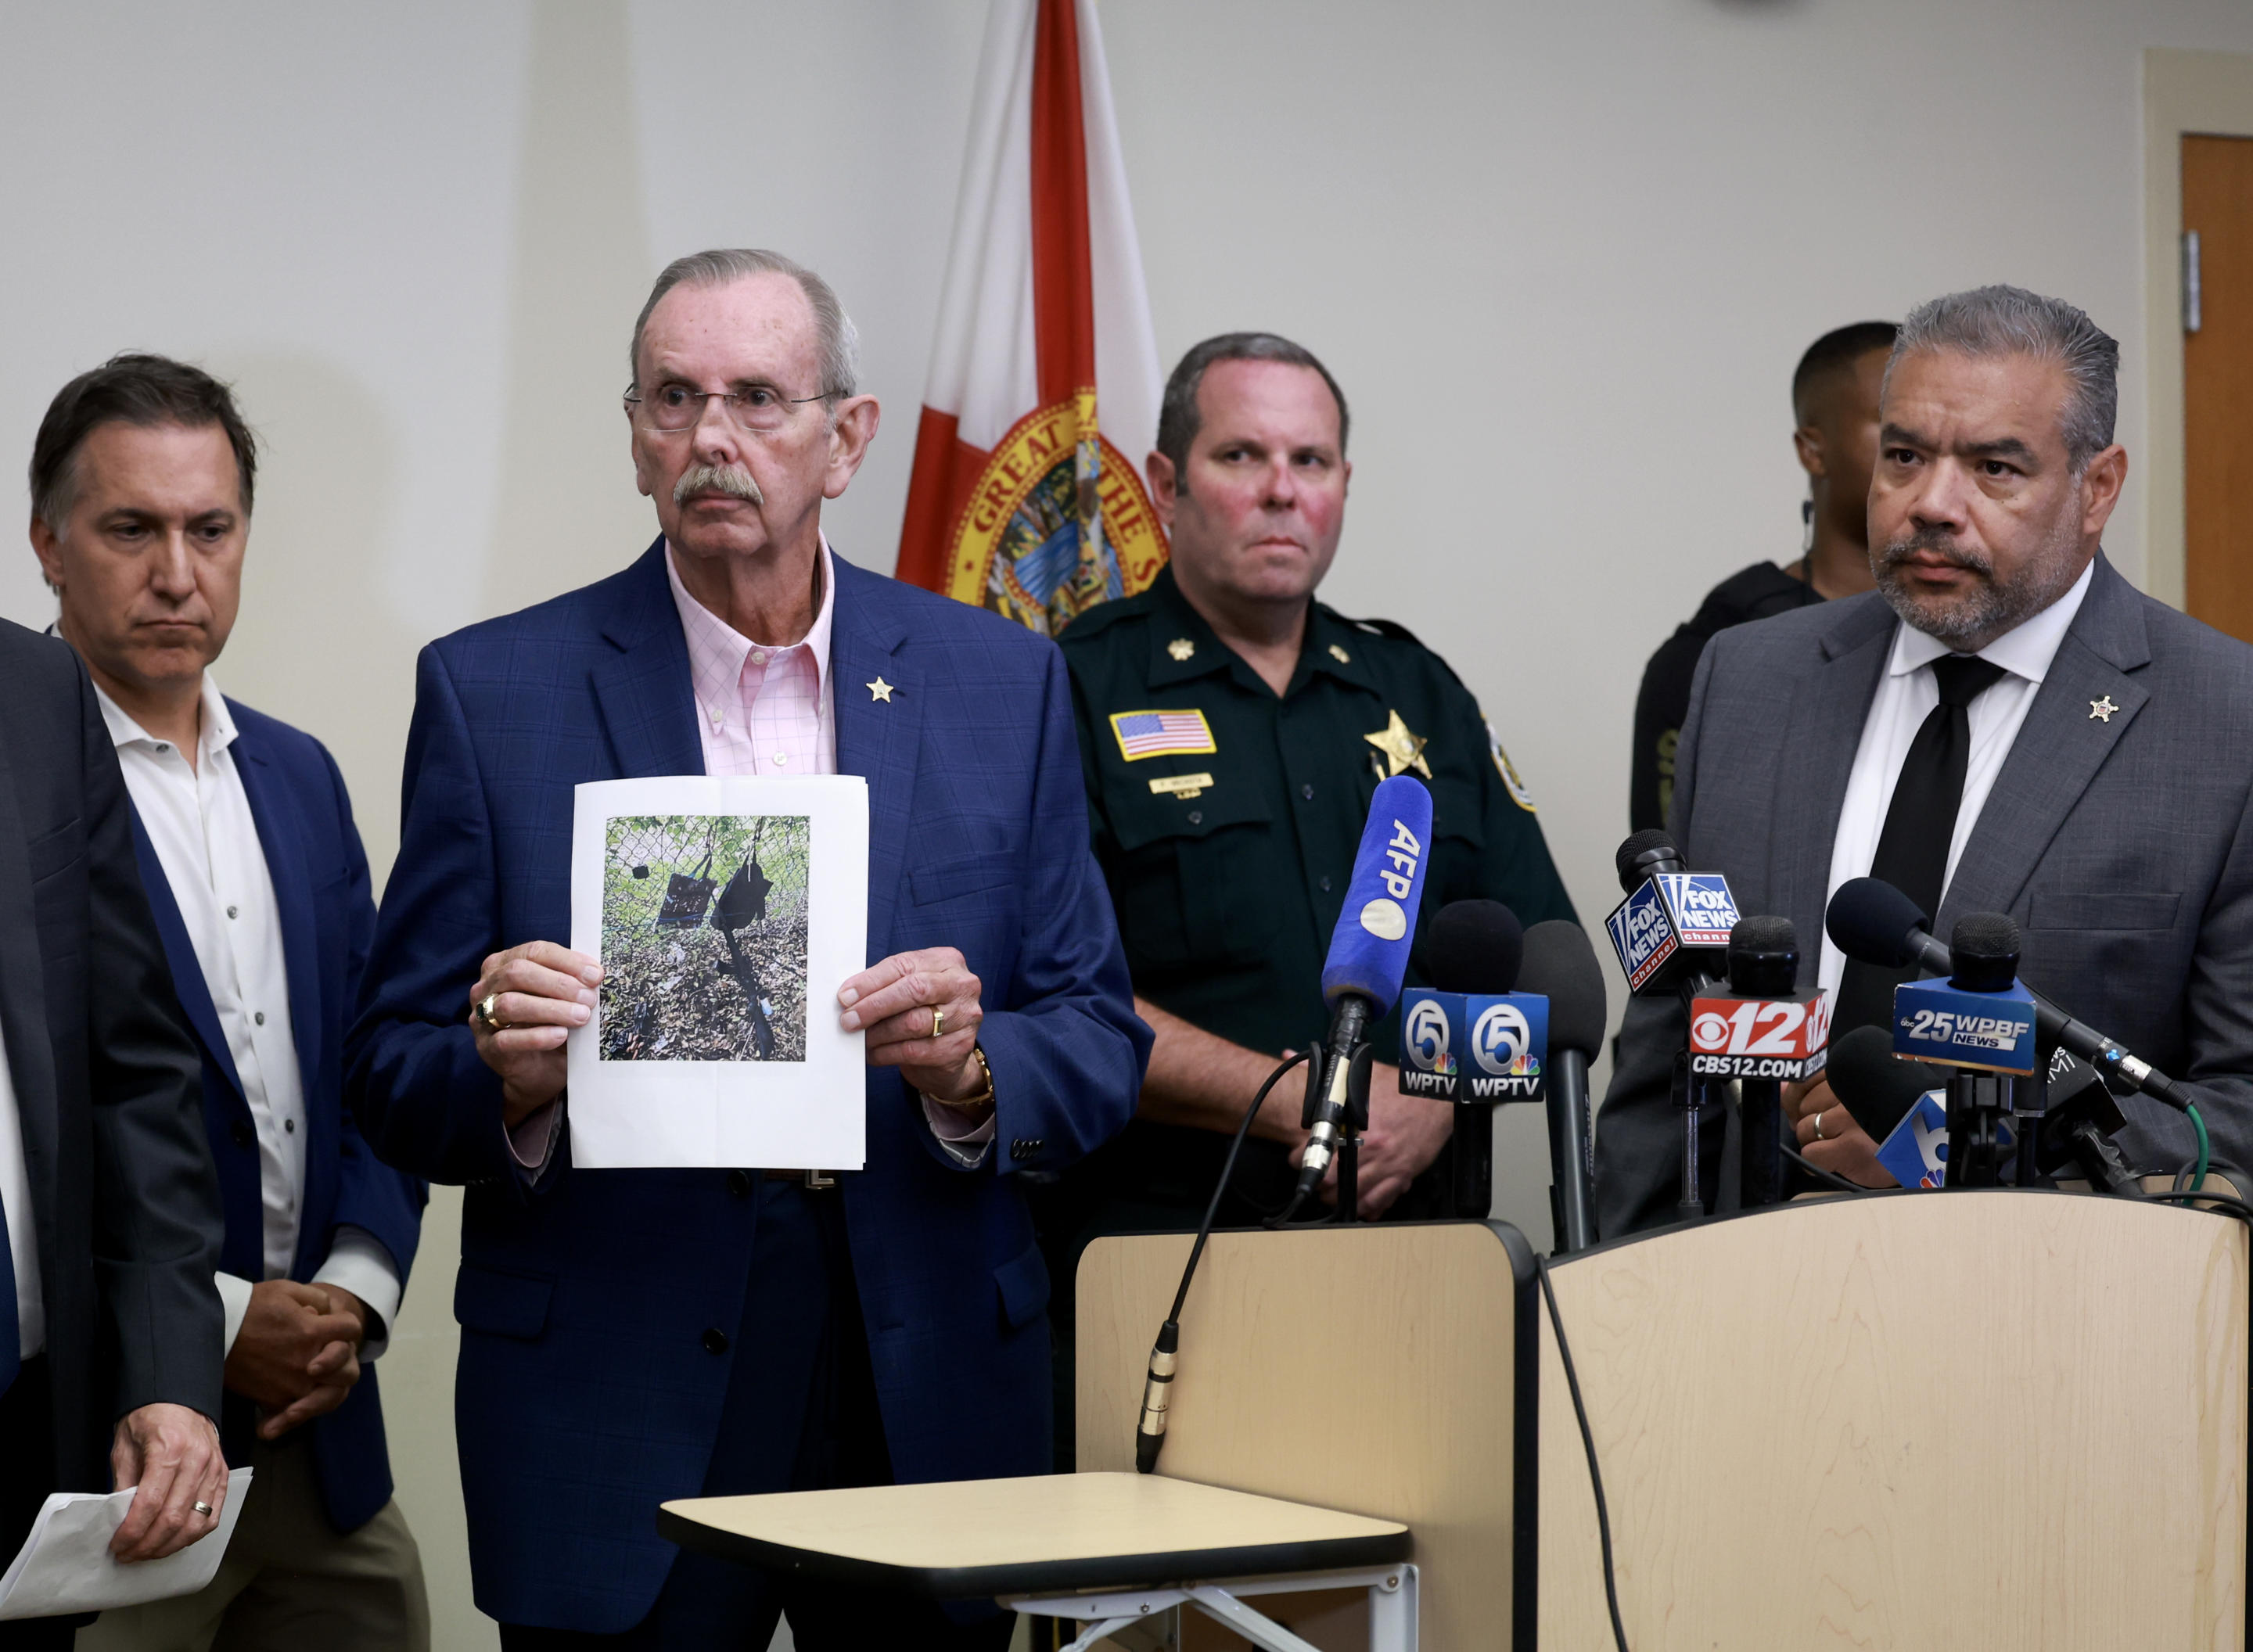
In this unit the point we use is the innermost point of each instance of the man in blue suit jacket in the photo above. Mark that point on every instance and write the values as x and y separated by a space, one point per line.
634 1336
143 472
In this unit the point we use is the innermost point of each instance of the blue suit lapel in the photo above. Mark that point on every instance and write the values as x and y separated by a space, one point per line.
876 739
180 953
273 810
284 848
643 693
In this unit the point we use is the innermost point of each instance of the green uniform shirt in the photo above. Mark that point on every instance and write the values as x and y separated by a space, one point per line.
1228 865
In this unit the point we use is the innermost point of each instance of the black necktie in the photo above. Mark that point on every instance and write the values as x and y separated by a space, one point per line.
1920 824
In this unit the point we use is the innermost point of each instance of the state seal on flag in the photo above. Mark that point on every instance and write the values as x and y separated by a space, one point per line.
1057 522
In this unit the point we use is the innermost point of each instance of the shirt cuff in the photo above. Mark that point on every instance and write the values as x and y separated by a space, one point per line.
359 1262
532 1141
966 1143
234 1298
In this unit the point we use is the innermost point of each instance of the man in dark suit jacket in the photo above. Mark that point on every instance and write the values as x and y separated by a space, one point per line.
109 1219
633 1335
2104 750
144 471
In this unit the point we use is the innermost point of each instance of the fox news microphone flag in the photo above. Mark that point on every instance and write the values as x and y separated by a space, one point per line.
1022 501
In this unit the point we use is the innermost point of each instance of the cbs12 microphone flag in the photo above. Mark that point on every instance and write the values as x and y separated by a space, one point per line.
1026 496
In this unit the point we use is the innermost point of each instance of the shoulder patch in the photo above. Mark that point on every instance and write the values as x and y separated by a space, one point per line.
1095 621
1398 632
1512 784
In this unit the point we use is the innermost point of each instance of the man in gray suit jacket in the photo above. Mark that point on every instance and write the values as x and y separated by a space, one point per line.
2004 717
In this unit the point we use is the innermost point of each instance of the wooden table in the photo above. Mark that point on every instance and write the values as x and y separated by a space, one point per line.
1107 1549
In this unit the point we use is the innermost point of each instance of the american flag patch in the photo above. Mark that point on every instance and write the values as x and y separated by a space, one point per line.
1158 734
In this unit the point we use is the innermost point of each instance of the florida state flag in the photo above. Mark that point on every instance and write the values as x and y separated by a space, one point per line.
1027 496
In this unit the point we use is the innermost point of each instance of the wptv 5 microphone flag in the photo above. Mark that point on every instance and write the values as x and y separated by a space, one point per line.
1023 498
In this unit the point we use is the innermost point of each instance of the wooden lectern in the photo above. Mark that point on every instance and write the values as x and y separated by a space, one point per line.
1986 1419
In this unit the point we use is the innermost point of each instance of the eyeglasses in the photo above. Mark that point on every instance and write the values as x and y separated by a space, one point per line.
759 408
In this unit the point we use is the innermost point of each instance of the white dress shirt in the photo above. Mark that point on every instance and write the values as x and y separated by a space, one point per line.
1906 697
199 820
22 1232
762 710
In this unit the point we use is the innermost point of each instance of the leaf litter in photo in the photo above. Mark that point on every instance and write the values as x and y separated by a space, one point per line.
704 938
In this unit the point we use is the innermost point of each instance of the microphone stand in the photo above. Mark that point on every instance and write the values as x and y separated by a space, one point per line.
1760 1108
1977 1102
1689 1096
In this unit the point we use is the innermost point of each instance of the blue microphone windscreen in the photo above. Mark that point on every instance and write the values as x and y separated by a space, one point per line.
1369 949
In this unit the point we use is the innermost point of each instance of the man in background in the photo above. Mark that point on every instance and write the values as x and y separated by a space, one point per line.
1834 401
1233 730
142 479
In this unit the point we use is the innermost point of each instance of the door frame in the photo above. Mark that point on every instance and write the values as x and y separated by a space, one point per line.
2184 92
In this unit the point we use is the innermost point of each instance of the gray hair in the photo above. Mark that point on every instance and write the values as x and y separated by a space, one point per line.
838 339
1999 321
1178 417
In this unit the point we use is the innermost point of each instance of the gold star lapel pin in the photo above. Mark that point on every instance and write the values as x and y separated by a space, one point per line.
881 690
1402 750
2101 710
1180 648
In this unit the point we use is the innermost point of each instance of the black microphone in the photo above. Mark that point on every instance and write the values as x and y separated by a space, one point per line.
1672 928
2079 1127
1871 920
1560 964
1876 1087
1763 965
1475 948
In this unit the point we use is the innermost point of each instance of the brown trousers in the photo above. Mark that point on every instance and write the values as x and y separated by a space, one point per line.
290 1579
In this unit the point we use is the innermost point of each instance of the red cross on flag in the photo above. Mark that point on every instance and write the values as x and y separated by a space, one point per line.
1027 496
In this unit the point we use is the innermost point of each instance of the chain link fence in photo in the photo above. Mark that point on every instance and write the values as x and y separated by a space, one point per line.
704 938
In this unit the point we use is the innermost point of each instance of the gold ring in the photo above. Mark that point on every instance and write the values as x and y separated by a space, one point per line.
485 1017
1818 1122
937 1019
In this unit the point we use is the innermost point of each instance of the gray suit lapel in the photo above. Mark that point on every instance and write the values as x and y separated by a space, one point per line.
1826 729
2058 751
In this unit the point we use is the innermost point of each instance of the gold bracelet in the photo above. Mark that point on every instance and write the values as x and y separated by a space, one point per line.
984 1096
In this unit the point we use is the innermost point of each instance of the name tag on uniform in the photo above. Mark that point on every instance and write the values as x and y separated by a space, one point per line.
1182 785
1159 733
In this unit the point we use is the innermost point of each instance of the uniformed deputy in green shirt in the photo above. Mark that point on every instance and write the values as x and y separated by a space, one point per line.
1233 731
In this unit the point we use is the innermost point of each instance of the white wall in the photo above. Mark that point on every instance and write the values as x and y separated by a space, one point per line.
1563 259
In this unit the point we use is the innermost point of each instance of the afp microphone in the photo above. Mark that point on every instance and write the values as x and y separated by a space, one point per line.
1368 956
1871 920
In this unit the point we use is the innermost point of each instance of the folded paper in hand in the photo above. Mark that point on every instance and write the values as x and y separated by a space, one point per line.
65 1566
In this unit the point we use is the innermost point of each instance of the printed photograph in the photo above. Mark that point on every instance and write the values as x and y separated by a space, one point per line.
704 938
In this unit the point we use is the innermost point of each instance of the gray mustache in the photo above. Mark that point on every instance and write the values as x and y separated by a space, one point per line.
1932 542
717 478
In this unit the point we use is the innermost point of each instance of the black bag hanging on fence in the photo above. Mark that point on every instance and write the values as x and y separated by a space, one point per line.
744 900
686 897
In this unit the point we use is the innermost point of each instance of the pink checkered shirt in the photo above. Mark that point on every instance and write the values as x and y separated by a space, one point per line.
760 709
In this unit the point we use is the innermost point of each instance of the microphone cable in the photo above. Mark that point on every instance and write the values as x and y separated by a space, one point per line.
1588 1444
1150 1431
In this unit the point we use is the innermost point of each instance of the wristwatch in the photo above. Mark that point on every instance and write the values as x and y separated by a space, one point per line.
982 1097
